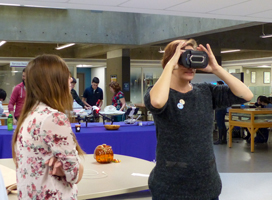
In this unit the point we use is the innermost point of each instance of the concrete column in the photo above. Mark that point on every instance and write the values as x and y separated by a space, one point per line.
118 65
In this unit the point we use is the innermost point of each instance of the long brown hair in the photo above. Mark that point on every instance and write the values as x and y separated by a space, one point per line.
170 49
47 82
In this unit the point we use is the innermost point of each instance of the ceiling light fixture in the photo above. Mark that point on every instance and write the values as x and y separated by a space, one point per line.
161 51
231 51
9 4
264 66
35 6
2 42
84 65
265 36
64 46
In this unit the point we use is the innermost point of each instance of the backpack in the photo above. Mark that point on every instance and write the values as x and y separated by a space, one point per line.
261 136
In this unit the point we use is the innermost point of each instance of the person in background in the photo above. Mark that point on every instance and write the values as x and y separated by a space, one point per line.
44 133
93 96
264 102
258 104
262 133
220 122
184 114
3 96
118 99
17 99
75 96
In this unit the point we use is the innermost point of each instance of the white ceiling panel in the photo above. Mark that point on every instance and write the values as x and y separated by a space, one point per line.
244 9
49 1
250 10
152 4
98 2
204 6
264 14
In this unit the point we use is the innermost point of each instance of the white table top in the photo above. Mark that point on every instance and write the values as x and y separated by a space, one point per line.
100 180
3 192
118 180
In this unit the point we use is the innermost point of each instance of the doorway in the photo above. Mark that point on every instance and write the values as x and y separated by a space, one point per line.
81 84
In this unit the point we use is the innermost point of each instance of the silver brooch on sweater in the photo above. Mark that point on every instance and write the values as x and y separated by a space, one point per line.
181 104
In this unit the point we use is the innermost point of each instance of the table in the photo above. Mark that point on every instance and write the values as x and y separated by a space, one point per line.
3 192
129 139
249 186
101 180
254 118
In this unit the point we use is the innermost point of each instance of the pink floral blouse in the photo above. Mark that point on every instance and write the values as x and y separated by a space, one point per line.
46 133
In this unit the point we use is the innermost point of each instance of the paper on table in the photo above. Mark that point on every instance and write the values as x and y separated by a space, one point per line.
138 174
9 175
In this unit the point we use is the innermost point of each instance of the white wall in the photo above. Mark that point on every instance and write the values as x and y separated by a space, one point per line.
99 72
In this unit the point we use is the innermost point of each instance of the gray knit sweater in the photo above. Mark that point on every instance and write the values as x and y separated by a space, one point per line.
185 162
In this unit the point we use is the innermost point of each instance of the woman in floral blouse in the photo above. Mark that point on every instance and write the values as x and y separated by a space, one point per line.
45 149
118 99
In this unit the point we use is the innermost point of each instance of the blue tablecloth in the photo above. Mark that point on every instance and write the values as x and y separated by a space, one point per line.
129 139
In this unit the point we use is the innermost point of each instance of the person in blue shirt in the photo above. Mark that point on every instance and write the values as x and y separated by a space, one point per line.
93 95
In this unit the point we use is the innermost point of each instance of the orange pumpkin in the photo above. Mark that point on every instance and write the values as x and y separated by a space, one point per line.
103 153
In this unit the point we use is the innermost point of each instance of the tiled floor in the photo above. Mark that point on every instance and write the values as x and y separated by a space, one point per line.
245 175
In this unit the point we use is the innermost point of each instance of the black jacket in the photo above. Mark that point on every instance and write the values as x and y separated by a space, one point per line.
76 97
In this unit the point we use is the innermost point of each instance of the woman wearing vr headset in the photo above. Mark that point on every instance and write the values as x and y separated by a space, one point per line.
183 114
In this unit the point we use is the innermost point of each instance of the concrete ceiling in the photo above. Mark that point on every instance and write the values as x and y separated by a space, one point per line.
246 39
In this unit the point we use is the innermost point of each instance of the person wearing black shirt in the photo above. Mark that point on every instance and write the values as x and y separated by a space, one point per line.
220 121
75 96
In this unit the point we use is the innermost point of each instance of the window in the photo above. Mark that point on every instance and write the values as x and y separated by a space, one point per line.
266 77
253 77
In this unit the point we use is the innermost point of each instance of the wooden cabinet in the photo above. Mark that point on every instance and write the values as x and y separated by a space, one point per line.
252 119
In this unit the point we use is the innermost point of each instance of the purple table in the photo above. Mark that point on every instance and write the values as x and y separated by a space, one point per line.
129 139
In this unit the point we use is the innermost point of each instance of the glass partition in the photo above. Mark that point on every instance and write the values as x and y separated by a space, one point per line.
140 79
151 76
135 85
9 78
